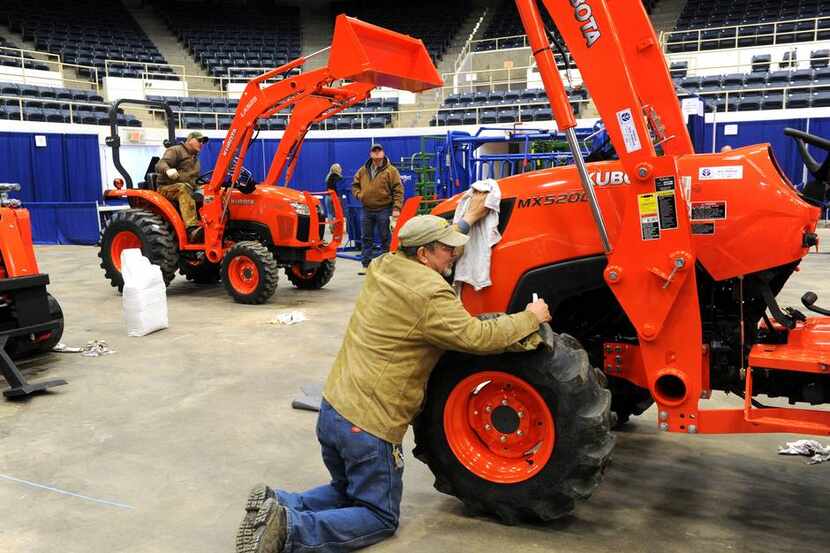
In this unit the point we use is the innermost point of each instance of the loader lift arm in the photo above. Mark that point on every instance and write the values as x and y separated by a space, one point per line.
617 52
365 54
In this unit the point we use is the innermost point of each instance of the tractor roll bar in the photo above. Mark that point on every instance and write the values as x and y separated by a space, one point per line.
114 141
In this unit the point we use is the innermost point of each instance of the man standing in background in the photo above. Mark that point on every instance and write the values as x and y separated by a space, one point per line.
377 185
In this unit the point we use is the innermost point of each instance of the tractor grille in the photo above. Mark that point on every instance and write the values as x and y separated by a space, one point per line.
303 226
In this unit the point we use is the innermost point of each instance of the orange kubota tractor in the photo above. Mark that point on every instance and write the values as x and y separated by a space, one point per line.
252 229
664 278
31 320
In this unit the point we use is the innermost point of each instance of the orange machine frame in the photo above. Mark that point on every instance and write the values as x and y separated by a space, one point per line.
621 63
365 54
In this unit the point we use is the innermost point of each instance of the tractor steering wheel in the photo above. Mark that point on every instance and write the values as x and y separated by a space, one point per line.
815 191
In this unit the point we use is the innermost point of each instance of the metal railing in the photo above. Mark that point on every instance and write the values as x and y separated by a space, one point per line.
53 64
459 59
55 103
738 36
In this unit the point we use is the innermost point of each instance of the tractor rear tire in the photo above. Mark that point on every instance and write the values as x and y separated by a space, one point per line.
200 270
312 280
249 272
556 397
628 400
138 228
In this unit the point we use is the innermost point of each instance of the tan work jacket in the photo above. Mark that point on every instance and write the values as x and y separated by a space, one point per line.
407 316
385 190
182 160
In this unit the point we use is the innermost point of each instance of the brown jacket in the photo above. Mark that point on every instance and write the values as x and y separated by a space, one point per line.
406 317
385 190
181 159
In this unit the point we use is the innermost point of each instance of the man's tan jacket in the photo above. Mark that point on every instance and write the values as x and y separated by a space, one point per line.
178 157
407 316
385 190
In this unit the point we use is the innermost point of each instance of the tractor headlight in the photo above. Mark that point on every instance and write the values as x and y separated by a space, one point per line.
300 208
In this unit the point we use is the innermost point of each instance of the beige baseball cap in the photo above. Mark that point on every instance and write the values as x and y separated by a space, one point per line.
423 229
198 136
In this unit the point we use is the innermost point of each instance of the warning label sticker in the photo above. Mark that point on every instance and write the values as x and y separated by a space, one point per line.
650 226
649 220
725 172
666 205
703 228
708 210
629 130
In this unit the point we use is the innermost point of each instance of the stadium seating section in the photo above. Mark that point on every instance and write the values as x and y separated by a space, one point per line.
436 23
500 106
12 57
85 32
57 105
209 112
248 39
711 24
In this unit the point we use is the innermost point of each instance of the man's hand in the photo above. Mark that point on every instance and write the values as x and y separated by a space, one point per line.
476 208
540 309
172 174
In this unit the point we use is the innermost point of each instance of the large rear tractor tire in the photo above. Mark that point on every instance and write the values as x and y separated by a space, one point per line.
311 280
249 272
137 228
521 436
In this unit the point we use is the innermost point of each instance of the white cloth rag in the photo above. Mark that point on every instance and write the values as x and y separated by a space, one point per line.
809 448
473 267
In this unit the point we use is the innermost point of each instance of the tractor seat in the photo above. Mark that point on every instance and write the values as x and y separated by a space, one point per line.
150 176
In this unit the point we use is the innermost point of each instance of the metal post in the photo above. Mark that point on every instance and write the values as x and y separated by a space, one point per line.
573 143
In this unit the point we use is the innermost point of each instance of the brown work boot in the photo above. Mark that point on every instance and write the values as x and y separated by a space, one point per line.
195 234
256 498
270 530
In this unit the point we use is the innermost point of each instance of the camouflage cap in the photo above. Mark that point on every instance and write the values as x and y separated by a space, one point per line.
424 229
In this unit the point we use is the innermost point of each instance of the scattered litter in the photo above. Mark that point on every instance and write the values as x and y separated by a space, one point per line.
96 348
809 448
60 347
289 318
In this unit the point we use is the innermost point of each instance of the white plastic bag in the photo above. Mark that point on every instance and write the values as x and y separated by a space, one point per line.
145 295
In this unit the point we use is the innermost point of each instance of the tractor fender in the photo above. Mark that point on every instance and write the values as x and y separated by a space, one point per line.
156 203
558 282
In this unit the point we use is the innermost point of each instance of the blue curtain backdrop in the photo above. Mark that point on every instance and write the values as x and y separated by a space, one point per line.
60 184
62 181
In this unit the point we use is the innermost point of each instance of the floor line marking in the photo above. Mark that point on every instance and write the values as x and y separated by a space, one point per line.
64 492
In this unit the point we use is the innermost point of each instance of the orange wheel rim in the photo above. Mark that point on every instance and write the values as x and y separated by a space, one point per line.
243 274
124 240
499 427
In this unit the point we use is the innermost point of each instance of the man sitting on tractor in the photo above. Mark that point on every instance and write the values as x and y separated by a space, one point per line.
177 172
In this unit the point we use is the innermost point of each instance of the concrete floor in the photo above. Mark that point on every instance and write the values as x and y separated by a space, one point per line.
173 429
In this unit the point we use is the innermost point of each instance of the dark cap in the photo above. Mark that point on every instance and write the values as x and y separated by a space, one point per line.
376 146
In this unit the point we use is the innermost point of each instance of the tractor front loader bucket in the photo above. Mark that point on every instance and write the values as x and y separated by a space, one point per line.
367 53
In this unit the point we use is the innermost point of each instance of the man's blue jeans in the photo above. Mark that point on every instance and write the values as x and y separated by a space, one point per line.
375 220
360 506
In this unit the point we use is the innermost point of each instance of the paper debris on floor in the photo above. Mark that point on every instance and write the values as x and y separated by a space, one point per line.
288 318
60 347
808 448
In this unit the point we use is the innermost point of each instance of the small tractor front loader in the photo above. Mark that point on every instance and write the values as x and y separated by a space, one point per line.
252 229
661 270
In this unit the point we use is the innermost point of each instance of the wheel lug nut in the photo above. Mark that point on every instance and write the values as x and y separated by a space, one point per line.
487 427
504 402
475 413
521 414
519 433
488 408
503 438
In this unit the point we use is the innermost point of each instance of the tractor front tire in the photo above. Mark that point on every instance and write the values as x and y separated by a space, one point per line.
519 435
249 272
19 347
311 280
137 228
